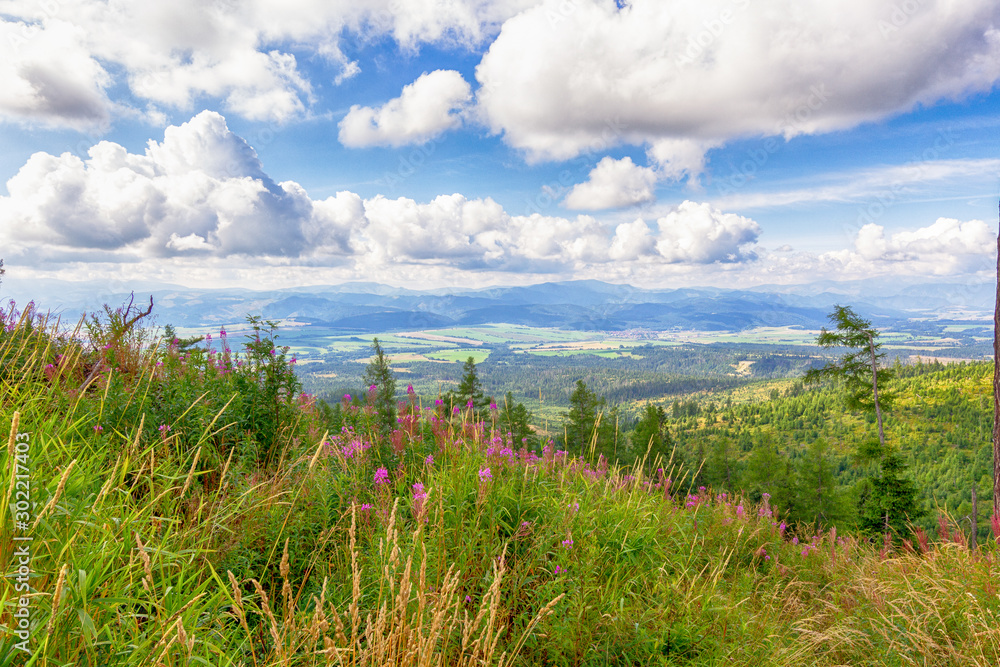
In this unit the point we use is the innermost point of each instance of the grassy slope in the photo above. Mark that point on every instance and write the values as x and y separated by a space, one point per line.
941 421
176 547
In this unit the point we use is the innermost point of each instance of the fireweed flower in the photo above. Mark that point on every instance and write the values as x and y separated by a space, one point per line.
429 461
164 428
381 476
98 428
485 475
568 543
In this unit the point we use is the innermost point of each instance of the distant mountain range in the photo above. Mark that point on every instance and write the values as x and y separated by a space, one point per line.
581 305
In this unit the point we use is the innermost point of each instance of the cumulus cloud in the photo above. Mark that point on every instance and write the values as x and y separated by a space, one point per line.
426 108
947 241
203 192
613 184
700 234
202 189
48 75
59 60
680 78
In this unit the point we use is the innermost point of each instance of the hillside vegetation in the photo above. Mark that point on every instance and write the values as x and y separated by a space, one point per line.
168 504
941 423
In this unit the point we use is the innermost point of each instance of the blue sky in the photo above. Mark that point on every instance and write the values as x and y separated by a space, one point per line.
470 143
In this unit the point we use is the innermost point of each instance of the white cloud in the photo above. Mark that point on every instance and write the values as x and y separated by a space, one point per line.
613 184
201 188
946 243
426 108
566 78
56 58
48 76
882 184
698 233
202 192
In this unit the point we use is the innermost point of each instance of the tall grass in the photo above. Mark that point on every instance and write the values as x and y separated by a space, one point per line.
162 536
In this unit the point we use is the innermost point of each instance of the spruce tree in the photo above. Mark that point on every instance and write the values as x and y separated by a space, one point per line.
887 502
470 390
820 498
514 418
650 434
591 428
887 492
378 374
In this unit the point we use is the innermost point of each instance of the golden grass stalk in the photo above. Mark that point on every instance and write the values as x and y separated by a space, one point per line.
55 497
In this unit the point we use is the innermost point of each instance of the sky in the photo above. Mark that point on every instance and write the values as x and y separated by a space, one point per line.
467 143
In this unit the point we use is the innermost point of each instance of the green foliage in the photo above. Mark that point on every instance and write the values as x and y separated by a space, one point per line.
470 390
148 551
268 387
379 375
856 368
650 438
820 498
887 502
515 419
591 428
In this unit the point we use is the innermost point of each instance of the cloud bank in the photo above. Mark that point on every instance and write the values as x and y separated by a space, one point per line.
681 78
202 197
202 191
60 60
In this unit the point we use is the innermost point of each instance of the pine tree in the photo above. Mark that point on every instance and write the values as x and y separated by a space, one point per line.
378 374
650 434
767 471
887 502
860 370
470 390
820 498
581 420
591 428
514 418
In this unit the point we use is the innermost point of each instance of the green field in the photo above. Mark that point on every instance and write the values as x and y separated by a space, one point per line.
459 355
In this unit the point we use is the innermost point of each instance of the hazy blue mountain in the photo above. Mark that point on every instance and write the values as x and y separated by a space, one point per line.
583 305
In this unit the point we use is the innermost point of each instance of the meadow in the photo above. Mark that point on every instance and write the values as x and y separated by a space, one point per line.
172 501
